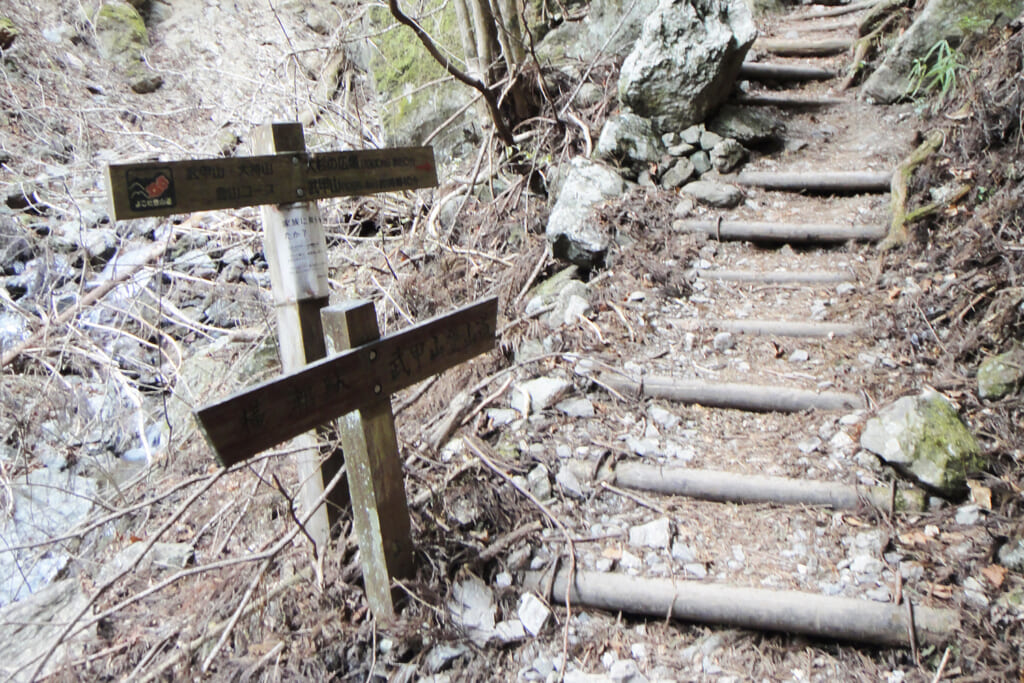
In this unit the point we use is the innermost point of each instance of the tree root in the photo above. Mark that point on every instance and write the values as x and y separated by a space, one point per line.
898 235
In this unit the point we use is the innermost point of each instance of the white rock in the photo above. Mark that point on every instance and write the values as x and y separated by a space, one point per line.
472 607
723 341
626 671
968 515
656 534
510 631
663 418
799 356
539 484
696 570
809 445
532 613
543 392
576 407
569 483
841 441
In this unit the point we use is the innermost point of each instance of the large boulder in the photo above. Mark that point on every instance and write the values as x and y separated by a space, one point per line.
949 20
924 437
686 60
571 228
122 37
613 25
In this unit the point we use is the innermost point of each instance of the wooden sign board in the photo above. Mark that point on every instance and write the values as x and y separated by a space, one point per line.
165 188
256 419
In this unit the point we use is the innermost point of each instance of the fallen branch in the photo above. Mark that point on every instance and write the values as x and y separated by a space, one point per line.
847 619
818 182
900 184
726 487
788 101
783 232
739 396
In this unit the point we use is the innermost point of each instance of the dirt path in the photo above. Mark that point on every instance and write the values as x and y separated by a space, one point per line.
685 337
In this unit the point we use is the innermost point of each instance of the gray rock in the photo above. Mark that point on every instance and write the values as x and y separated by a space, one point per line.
472 608
709 140
684 208
677 174
663 418
1001 375
701 161
121 34
656 534
570 485
724 341
542 393
950 20
510 631
718 195
686 60
588 95
576 407
691 135
533 613
629 142
537 480
681 149
968 515
571 229
28 629
197 262
162 556
727 155
924 436
1011 555
747 125
46 503
799 356
626 671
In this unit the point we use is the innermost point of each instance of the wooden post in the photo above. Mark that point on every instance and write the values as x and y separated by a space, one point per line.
379 509
296 252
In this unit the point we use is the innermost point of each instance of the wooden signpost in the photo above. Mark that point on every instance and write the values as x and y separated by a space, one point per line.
357 382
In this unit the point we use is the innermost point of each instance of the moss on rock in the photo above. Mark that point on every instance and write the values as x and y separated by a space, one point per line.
1001 375
121 34
8 32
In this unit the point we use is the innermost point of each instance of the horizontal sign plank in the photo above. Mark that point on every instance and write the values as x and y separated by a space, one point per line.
165 188
256 419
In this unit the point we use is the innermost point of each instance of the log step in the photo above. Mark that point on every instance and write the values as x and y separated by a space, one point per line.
780 328
818 182
751 397
820 616
760 71
820 13
774 277
803 48
789 102
727 487
782 232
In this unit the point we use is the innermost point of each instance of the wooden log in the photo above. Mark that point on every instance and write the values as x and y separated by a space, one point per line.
803 48
750 397
782 232
380 513
298 276
846 619
727 487
788 102
817 182
787 328
774 277
785 73
834 12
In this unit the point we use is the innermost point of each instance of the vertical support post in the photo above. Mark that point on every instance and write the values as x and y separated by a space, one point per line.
296 252
379 508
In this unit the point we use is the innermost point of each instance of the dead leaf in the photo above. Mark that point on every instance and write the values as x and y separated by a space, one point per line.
980 495
612 553
914 538
995 574
940 591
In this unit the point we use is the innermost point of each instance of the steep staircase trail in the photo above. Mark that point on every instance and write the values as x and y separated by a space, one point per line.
785 305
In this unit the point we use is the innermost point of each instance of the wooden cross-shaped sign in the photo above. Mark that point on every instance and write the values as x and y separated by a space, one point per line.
357 383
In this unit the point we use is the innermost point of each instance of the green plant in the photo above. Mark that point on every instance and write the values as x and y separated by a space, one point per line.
936 74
